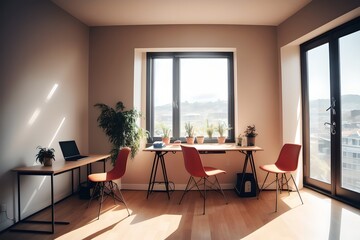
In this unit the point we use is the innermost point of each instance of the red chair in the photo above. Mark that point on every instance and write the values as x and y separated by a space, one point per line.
104 181
287 162
195 168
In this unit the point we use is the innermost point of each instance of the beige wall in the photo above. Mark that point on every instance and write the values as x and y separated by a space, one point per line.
112 79
40 46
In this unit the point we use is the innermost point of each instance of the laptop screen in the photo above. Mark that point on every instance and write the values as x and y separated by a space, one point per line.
69 148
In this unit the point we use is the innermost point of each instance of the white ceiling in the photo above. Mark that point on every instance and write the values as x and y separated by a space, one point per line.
155 12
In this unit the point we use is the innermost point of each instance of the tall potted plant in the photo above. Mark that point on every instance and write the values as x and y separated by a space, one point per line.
250 134
121 128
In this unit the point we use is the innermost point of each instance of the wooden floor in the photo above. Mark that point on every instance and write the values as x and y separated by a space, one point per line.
243 218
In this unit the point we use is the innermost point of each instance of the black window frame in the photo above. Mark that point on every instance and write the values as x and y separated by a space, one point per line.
150 56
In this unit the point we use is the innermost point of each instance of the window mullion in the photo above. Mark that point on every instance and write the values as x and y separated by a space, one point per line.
176 97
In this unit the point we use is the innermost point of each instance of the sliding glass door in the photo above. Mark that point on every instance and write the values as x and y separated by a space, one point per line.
331 103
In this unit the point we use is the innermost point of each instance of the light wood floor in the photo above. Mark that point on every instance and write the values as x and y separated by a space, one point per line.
243 218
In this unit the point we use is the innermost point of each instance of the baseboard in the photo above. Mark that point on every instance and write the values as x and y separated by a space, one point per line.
161 187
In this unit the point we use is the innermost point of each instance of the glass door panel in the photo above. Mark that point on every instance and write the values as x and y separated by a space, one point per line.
349 55
319 101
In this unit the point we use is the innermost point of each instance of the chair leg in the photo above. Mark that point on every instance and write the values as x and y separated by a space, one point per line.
102 186
93 194
297 189
262 187
186 189
221 190
204 196
121 197
277 189
287 183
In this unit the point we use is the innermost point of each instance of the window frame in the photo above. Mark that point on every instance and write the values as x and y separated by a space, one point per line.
176 56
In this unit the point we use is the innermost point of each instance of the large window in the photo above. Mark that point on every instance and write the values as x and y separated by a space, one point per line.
189 87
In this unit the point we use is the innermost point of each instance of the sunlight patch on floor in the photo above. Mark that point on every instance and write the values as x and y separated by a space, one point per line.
319 225
135 227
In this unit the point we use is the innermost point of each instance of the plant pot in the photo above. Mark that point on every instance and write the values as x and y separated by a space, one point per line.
200 139
251 141
221 139
48 162
239 141
190 140
166 140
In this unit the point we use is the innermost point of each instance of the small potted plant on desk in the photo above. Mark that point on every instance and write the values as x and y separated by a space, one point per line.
45 156
250 134
189 129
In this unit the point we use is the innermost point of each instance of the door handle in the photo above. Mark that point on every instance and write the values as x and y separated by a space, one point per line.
332 127
332 106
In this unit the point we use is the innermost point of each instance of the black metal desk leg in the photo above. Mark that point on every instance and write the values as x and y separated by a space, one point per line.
19 209
151 181
52 205
252 163
166 181
244 171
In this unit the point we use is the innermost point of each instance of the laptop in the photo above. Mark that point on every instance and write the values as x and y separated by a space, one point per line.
70 150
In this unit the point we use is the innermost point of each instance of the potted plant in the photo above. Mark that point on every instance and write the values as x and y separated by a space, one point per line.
45 155
250 134
121 128
200 139
222 128
239 140
209 129
189 129
165 134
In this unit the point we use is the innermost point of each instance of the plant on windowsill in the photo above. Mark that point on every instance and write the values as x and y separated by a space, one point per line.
121 128
250 134
209 129
165 134
221 129
45 155
189 129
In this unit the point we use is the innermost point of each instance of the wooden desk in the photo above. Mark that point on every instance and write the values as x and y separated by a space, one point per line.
58 167
203 149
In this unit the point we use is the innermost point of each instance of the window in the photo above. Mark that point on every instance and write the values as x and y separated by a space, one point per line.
195 87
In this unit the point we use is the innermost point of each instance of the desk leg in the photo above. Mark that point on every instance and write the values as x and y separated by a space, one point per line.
252 163
244 171
52 205
166 181
152 175
249 158
19 207
159 156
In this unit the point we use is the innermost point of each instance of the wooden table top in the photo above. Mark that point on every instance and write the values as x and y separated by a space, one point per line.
60 166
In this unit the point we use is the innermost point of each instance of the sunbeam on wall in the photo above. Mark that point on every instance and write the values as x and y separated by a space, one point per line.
51 92
57 131
34 116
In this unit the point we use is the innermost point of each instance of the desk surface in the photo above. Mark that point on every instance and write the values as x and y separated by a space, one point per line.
205 147
60 166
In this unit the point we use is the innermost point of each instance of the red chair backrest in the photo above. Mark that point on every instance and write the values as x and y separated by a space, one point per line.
288 157
193 162
120 165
